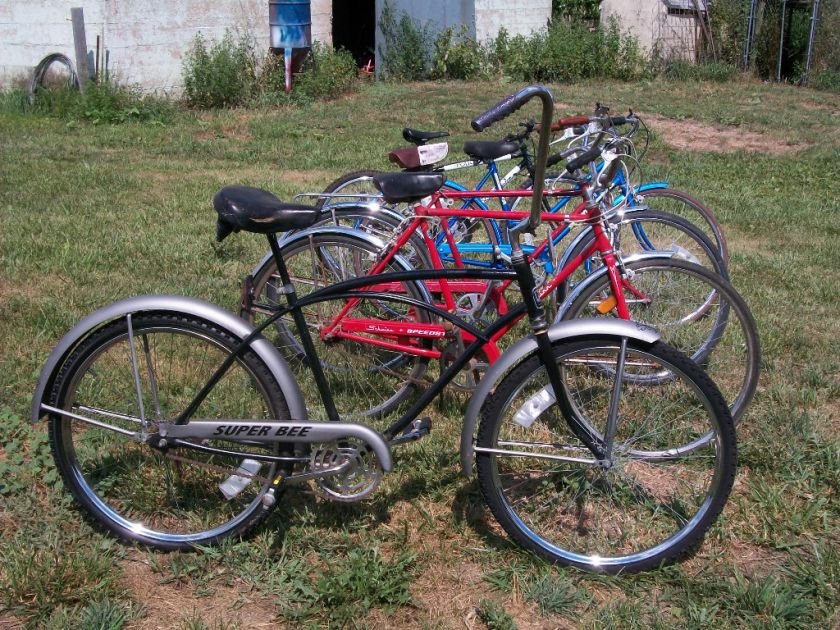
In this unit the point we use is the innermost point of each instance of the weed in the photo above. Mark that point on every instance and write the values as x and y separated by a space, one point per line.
365 580
331 74
682 70
406 45
14 101
826 80
46 573
101 103
494 616
553 593
27 458
221 75
772 602
458 56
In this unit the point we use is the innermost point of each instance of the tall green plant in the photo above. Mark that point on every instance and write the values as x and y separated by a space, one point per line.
458 56
406 52
221 75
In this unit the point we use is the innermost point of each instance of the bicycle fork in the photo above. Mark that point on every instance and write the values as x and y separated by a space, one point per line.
539 328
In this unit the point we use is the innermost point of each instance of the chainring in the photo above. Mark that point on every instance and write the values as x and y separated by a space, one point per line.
355 483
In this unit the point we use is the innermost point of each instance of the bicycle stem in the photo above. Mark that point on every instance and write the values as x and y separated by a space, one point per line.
530 224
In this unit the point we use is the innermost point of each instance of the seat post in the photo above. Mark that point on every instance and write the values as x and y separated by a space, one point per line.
288 289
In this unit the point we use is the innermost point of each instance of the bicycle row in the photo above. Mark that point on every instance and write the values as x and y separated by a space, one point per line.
597 443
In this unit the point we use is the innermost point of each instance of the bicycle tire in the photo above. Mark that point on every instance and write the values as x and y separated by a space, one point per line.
636 513
464 230
381 225
354 182
720 334
366 391
127 488
684 205
646 232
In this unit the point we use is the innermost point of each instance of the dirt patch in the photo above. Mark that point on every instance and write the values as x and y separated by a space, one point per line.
8 622
813 106
31 291
693 135
755 561
168 605
450 596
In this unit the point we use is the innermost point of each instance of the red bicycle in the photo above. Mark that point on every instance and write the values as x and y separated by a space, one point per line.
378 353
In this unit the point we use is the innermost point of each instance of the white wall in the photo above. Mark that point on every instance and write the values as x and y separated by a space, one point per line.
146 40
520 17
641 17
31 30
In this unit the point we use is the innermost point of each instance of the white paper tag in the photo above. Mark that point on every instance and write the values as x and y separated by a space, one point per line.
431 153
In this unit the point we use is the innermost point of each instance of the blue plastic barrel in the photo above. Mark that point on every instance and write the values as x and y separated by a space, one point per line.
291 23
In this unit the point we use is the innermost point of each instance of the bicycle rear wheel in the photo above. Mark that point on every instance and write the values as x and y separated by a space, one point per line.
633 512
164 499
648 232
357 185
367 381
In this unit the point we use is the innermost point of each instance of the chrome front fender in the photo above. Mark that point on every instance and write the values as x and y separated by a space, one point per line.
599 327
176 304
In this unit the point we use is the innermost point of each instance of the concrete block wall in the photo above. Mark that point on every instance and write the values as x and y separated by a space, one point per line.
640 17
519 18
146 41
31 30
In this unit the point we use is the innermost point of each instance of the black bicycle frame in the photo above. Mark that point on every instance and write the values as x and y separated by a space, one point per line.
349 289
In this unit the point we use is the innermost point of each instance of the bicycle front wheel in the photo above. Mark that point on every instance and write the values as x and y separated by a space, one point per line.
633 510
696 311
168 499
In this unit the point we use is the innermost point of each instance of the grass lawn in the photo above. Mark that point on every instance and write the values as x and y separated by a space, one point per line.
91 214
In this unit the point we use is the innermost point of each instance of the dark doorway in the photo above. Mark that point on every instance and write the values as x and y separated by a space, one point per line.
354 28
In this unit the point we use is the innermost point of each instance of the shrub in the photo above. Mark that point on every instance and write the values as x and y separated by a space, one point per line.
331 74
458 56
327 74
15 101
826 80
222 75
405 54
107 102
567 51
682 70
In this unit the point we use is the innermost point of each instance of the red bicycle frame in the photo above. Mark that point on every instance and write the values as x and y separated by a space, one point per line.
405 337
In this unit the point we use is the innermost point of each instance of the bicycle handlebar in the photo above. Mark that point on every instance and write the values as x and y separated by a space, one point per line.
507 106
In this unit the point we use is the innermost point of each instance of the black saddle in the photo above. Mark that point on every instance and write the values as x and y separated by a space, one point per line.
257 210
489 150
422 137
396 187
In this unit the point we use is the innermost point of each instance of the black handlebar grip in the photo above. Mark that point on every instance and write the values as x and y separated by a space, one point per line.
583 159
615 121
553 159
504 108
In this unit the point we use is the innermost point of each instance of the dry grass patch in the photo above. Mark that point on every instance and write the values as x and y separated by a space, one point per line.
692 135
10 622
168 605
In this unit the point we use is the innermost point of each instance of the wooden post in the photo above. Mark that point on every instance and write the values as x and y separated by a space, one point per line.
80 43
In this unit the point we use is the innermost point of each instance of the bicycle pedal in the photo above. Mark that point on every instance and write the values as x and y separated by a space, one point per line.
419 428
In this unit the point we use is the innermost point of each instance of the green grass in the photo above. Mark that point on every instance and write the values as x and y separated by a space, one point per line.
92 213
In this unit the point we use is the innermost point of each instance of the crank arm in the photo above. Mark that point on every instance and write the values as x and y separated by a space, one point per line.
319 474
